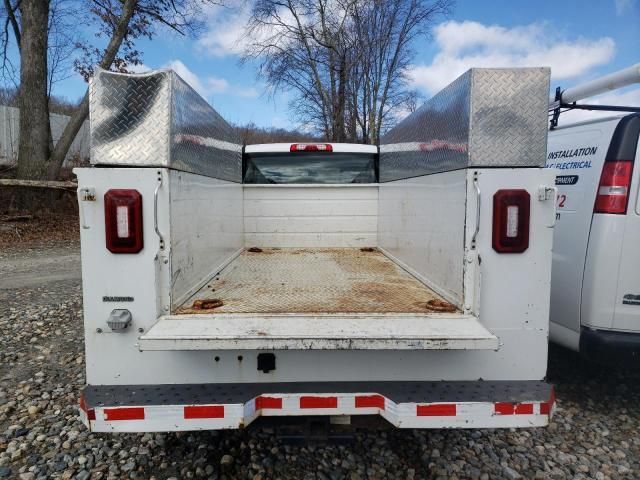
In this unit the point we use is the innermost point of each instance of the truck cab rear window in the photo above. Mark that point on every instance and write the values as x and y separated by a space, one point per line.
307 167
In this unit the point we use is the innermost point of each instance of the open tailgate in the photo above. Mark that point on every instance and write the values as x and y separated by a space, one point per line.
318 332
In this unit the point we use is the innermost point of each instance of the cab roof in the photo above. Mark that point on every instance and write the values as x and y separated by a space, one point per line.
286 147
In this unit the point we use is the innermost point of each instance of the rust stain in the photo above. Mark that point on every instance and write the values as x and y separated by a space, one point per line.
318 280
208 304
437 305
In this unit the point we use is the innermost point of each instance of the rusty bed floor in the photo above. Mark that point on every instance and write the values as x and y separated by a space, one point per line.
312 280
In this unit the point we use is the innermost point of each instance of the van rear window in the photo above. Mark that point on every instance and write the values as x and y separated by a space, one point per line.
310 167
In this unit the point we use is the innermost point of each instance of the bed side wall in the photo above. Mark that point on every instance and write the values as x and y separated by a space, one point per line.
421 224
310 215
206 229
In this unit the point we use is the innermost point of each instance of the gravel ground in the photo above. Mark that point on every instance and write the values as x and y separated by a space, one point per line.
595 433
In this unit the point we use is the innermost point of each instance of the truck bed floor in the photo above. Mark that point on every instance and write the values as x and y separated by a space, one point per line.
313 280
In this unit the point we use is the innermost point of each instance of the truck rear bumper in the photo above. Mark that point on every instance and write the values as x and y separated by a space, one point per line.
183 407
610 347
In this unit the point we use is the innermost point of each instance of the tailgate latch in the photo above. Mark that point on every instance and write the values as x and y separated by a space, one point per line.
119 319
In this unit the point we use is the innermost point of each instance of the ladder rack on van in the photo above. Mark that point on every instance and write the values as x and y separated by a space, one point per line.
566 99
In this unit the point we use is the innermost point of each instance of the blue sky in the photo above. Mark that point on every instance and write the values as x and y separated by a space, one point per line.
579 40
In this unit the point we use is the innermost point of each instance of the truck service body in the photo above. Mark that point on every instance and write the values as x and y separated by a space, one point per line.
222 283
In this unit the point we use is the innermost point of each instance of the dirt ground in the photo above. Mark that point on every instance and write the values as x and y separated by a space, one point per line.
595 432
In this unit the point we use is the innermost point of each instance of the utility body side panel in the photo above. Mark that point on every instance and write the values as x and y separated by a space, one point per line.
429 240
136 282
206 229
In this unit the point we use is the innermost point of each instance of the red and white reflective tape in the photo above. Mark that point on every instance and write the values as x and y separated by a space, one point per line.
160 418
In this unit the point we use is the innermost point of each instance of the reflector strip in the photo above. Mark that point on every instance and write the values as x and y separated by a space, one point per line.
612 190
437 410
122 221
268 402
204 411
507 408
545 407
193 416
370 401
512 221
125 413
318 402
90 412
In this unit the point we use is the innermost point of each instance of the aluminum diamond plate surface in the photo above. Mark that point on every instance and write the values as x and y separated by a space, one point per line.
156 119
485 118
310 280
400 391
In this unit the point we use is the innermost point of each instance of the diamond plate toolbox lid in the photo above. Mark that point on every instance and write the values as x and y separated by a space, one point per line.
156 119
487 117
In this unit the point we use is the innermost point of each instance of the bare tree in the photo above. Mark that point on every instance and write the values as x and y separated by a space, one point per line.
251 133
33 146
303 45
63 40
386 32
346 59
58 35
123 22
38 25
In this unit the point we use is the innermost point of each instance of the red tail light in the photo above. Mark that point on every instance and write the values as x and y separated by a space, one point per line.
613 191
123 221
311 147
511 211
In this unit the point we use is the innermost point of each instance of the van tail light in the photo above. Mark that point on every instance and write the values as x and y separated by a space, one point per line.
613 190
511 212
123 221
311 147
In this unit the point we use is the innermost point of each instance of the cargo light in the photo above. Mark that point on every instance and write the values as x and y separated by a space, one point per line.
311 147
123 220
511 211
613 190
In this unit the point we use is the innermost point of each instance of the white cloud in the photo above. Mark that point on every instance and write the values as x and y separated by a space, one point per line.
467 44
624 6
188 76
217 85
249 92
210 85
227 28
630 98
225 32
142 68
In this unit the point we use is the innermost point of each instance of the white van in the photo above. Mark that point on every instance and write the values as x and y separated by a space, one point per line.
595 287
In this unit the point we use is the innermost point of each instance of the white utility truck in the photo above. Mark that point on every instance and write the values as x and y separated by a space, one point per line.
595 296
410 281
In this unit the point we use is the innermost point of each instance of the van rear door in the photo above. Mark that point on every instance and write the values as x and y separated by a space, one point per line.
627 298
578 152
